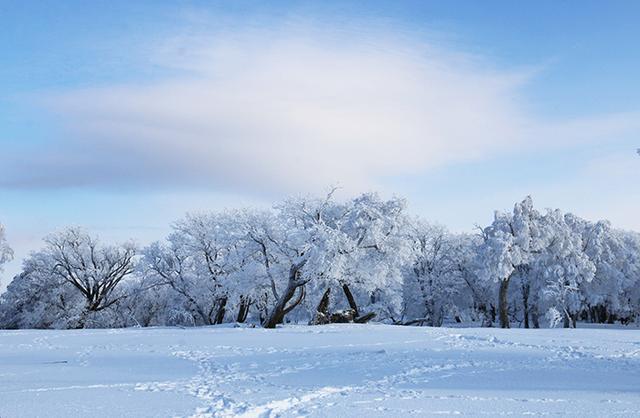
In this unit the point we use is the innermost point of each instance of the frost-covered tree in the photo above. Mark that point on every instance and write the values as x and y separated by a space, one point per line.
295 248
6 254
148 304
323 260
443 281
615 256
317 244
431 281
37 299
510 244
478 301
563 267
72 281
374 253
201 261
545 254
93 269
629 288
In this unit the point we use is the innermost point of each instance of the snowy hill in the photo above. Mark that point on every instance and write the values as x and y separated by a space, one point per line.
337 370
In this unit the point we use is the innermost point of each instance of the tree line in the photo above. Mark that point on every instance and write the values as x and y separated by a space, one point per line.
321 260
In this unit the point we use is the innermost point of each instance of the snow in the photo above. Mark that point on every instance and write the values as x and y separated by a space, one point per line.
334 370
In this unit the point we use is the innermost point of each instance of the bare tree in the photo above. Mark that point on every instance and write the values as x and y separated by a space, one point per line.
93 269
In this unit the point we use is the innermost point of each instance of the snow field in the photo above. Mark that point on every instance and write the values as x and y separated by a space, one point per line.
323 371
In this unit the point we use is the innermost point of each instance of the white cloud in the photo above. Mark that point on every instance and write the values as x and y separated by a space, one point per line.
285 110
295 109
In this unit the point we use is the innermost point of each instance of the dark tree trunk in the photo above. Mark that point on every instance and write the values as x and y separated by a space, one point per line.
525 304
220 312
487 320
323 316
503 303
534 316
354 307
323 306
350 298
597 316
280 310
90 308
592 314
365 318
566 321
277 314
604 314
611 318
343 317
322 311
83 319
243 309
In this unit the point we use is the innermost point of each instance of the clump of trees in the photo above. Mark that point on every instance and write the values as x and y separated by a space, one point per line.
320 260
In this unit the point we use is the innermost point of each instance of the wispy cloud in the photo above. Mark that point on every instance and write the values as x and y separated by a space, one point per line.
293 109
281 109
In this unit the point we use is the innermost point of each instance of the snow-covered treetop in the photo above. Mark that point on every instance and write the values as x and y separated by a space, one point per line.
346 241
6 254
512 239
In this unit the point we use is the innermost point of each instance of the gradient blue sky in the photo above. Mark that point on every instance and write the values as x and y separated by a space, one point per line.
121 116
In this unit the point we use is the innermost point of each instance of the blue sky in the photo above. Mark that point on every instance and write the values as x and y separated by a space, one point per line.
122 116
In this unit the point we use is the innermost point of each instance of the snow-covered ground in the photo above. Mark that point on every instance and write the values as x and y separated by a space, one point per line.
332 371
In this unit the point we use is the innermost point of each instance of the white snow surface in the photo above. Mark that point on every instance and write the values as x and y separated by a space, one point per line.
322 371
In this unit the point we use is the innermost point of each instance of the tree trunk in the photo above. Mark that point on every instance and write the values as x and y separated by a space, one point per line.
350 298
611 317
487 320
354 307
222 305
534 316
592 314
323 306
504 303
243 309
322 311
438 317
82 319
90 307
365 318
278 312
525 304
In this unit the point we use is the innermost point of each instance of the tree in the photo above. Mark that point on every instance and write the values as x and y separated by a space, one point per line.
202 261
37 299
6 254
630 285
356 246
94 270
431 278
564 266
376 252
72 280
510 243
614 255
322 260
480 294
303 245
